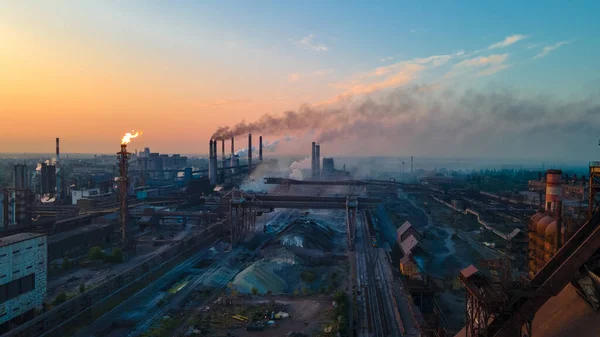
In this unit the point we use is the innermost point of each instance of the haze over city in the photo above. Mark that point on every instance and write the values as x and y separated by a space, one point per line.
440 79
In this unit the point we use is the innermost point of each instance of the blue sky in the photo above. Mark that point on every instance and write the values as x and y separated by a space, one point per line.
358 34
219 62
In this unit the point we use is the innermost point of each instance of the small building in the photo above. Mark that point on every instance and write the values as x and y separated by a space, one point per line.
78 194
404 231
23 270
409 268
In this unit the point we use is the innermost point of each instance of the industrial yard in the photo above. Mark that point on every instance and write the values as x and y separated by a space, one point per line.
314 256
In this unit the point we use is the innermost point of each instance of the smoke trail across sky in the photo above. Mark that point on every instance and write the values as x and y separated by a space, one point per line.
444 118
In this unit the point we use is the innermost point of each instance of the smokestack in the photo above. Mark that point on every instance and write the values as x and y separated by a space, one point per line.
58 196
232 152
215 160
223 151
318 161
212 174
249 151
312 158
411 164
260 148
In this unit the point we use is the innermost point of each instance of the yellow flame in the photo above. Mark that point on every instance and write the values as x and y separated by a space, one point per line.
129 136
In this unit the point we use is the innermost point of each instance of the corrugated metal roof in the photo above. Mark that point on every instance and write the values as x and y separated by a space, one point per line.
405 226
409 244
469 271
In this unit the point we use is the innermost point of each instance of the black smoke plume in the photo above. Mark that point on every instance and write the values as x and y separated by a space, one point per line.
440 116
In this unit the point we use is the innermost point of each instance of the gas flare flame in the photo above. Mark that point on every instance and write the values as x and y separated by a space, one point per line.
129 136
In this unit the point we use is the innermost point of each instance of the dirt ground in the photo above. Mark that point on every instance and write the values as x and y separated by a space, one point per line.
308 315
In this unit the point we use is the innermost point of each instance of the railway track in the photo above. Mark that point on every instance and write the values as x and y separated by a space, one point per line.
380 311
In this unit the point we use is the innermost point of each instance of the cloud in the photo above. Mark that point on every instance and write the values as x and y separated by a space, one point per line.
484 65
548 49
319 73
391 76
389 58
508 41
405 74
413 30
532 45
492 70
483 60
307 43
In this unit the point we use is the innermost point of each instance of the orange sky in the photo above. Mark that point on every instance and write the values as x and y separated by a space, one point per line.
90 92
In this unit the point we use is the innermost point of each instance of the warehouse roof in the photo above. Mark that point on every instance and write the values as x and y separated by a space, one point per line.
10 240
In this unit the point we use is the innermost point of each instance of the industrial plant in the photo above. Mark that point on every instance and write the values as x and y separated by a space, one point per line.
147 244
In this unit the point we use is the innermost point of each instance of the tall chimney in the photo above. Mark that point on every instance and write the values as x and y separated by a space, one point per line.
215 160
57 168
249 151
232 152
212 174
318 161
260 148
223 151
312 160
411 164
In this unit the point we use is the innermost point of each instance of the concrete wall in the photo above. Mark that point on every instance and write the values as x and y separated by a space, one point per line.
16 261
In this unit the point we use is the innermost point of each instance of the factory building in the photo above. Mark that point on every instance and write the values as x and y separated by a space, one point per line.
328 167
23 272
155 161
20 175
48 179
76 195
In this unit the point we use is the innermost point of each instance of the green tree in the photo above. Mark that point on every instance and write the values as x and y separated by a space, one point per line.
308 276
60 298
296 292
82 287
95 253
254 291
116 256
66 264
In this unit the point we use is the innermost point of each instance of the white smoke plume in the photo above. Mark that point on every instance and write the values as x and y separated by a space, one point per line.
298 167
51 161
